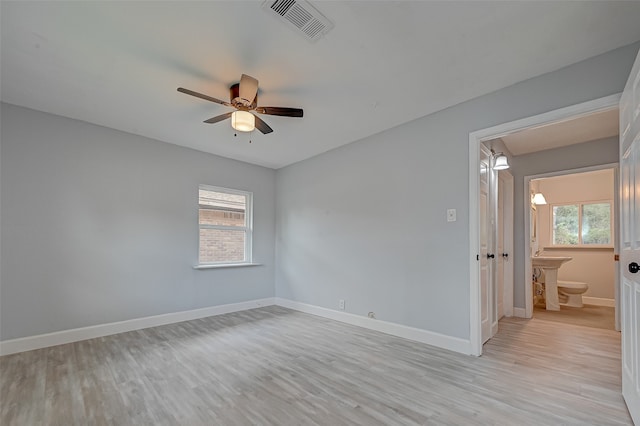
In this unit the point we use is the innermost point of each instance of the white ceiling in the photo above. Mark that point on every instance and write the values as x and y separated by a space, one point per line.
586 128
118 64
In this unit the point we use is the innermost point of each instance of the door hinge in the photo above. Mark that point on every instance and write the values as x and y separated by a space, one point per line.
477 257
616 257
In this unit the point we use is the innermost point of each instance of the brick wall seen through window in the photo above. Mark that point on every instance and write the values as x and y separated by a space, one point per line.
224 221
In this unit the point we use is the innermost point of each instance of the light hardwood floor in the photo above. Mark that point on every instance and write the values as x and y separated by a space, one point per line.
587 316
274 366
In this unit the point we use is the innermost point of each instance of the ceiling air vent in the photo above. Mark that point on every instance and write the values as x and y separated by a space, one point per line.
301 16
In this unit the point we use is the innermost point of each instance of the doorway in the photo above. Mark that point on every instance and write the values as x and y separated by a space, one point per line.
572 214
475 141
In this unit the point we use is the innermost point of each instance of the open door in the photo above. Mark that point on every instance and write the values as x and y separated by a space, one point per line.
500 251
488 211
630 240
504 244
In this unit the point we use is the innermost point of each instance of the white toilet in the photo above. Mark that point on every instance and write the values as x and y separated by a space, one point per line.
570 293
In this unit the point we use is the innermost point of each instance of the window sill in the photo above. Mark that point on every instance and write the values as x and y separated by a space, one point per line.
226 265
594 248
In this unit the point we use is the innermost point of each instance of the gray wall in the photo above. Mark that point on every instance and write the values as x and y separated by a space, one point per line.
367 222
100 226
604 151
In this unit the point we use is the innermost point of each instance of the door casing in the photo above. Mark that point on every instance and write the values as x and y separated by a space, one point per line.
475 139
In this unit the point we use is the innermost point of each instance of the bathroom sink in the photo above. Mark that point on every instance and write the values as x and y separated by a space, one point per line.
550 264
549 261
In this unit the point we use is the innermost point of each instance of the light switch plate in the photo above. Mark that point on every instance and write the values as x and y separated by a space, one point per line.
451 215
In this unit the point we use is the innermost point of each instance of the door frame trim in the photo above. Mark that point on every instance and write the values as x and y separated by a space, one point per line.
475 139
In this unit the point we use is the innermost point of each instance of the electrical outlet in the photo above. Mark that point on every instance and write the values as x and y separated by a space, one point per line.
341 304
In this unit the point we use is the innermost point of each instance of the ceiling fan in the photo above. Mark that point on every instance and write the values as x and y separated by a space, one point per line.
244 98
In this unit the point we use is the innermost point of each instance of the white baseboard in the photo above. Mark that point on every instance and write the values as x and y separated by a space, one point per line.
74 335
419 335
519 312
599 301
68 336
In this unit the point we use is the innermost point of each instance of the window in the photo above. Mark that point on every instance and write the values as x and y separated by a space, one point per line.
224 217
587 224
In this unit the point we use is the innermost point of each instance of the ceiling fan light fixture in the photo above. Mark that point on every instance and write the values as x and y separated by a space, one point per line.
243 121
244 98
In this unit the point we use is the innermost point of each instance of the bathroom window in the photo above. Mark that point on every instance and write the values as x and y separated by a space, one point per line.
224 219
582 224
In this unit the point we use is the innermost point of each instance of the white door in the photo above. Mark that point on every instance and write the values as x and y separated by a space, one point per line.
488 203
485 269
630 240
500 251
505 241
495 256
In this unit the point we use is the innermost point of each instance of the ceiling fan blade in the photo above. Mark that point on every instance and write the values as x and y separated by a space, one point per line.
201 96
283 111
262 126
248 87
218 118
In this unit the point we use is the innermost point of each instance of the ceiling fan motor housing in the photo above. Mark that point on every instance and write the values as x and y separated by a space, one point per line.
241 103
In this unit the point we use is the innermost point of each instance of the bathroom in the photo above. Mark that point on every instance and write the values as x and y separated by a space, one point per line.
572 217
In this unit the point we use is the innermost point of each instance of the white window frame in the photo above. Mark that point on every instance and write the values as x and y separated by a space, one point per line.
248 228
580 205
